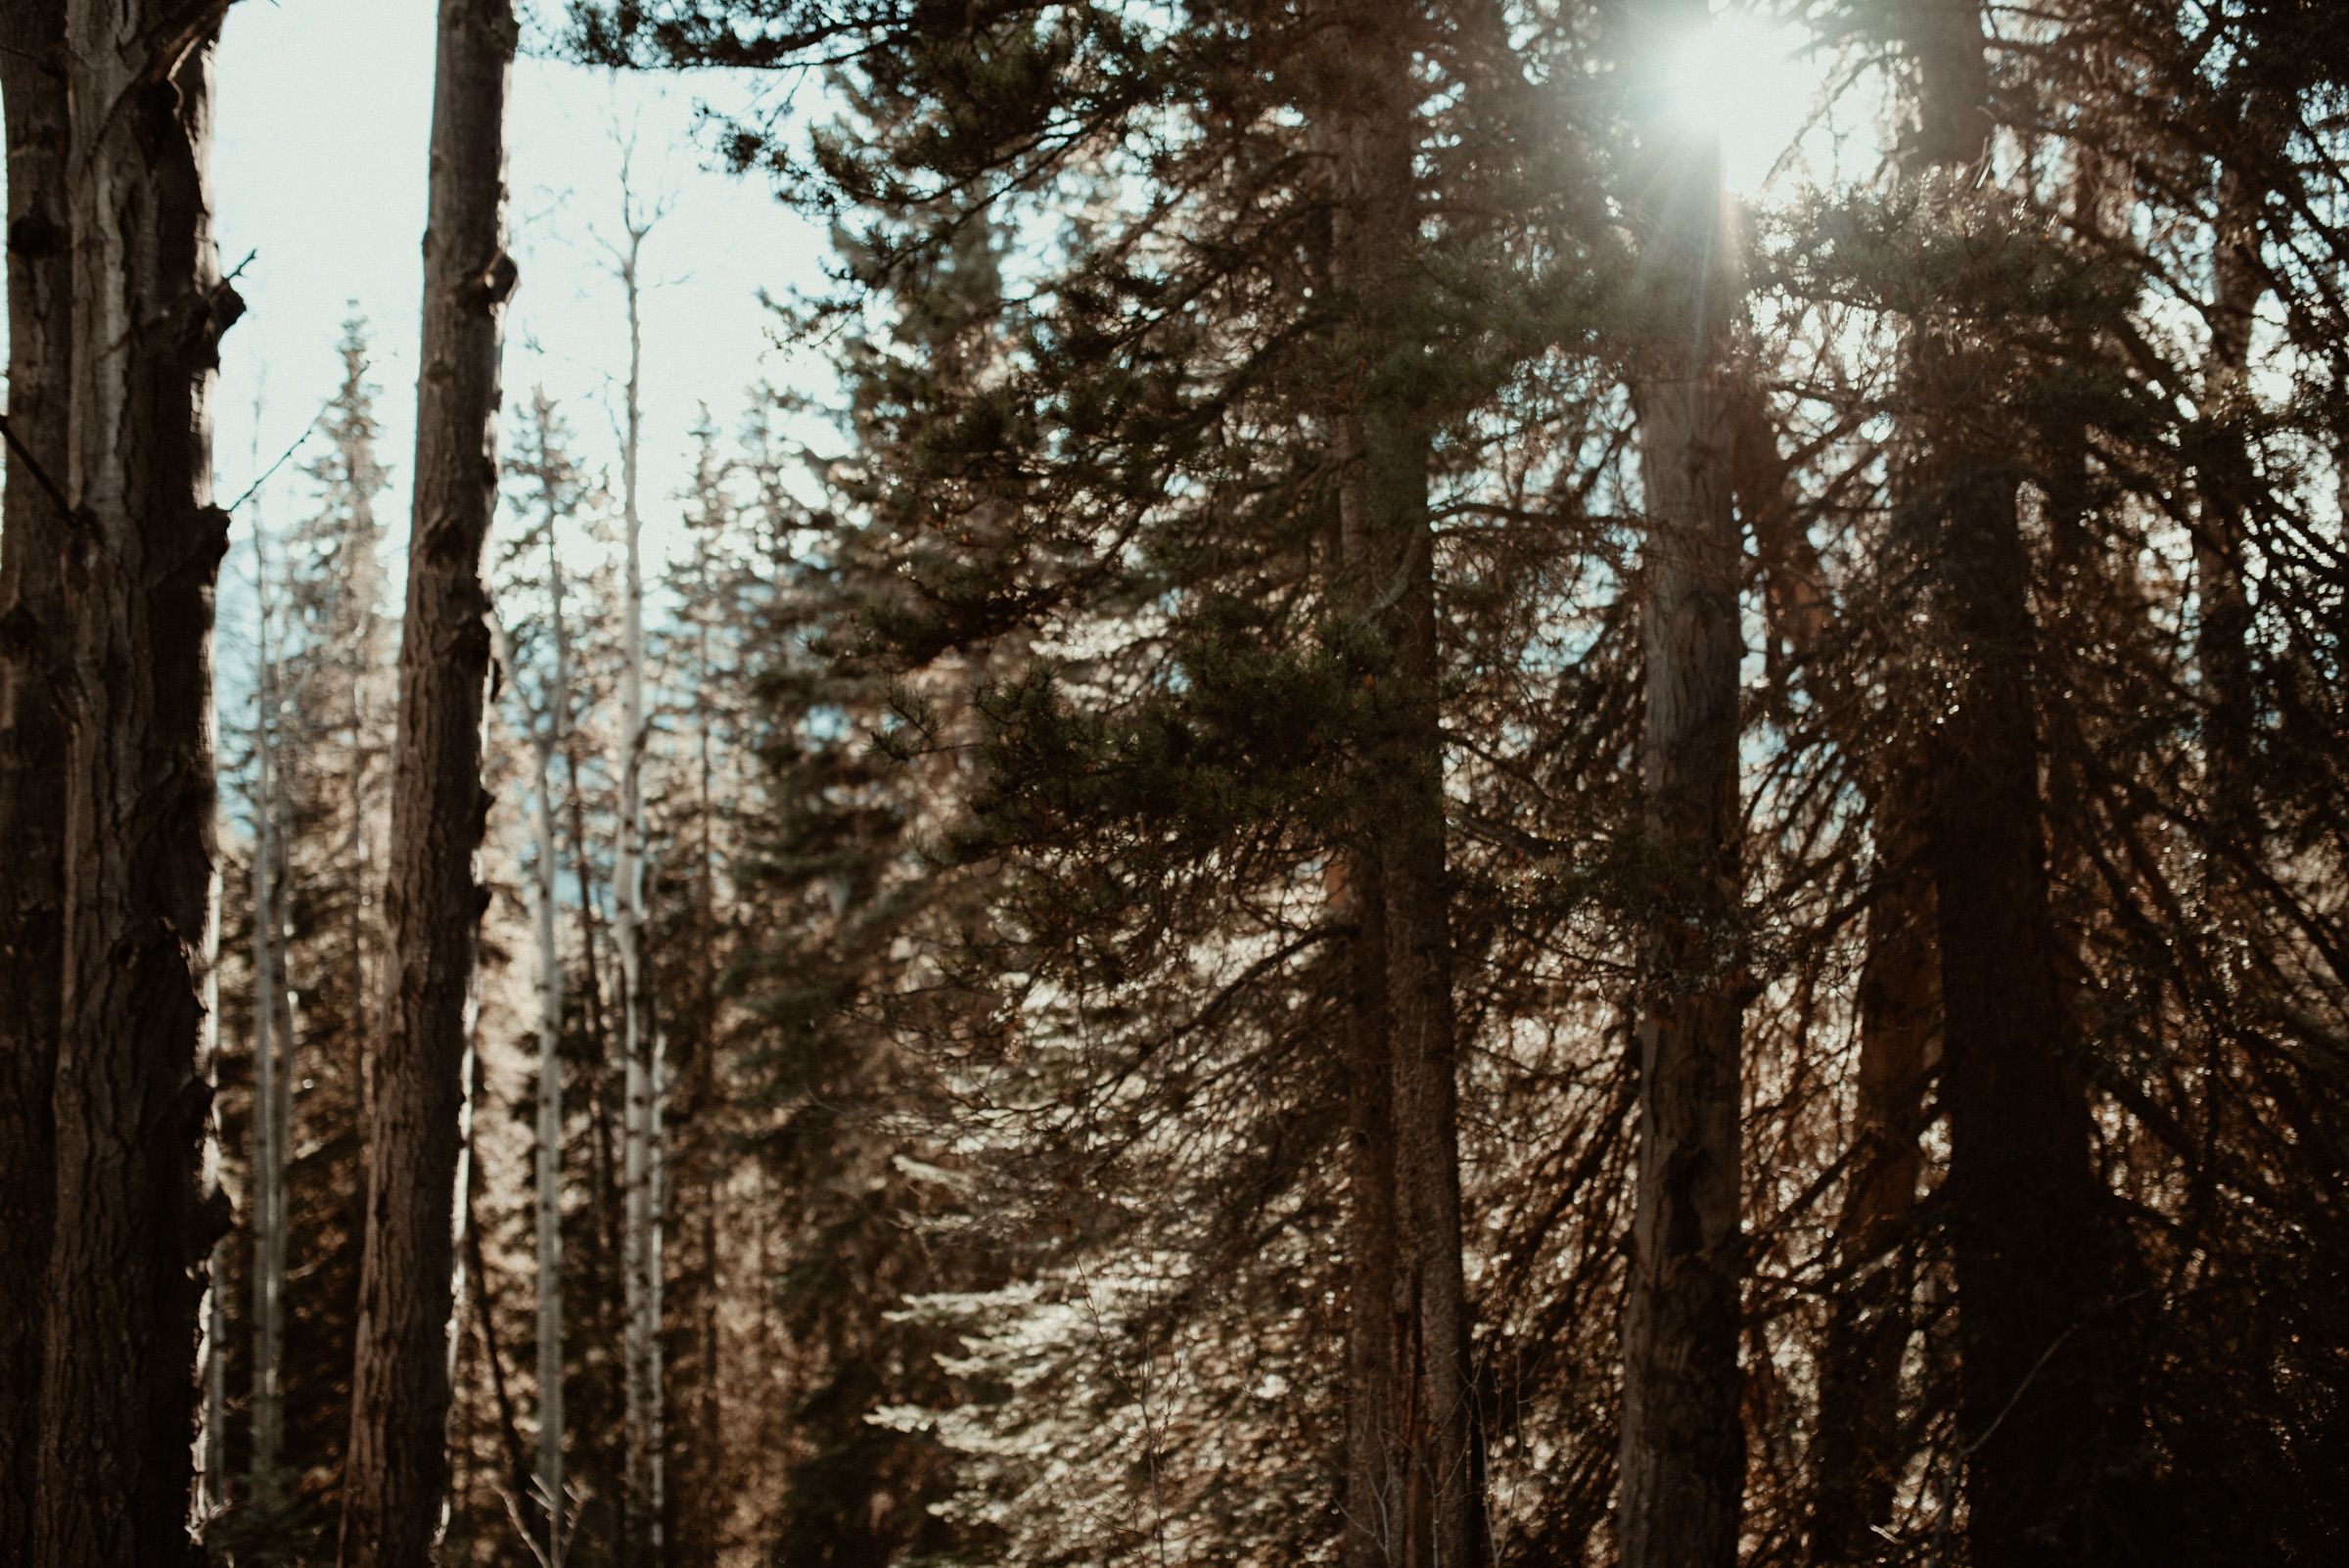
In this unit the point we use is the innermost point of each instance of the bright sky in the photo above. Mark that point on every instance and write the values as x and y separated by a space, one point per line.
319 166
319 172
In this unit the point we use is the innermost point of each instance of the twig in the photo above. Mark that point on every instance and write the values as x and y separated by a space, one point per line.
308 430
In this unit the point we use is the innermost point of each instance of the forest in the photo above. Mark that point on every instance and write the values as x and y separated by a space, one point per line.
1398 828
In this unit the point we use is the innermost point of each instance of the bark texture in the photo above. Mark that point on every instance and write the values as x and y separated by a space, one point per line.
1370 127
33 649
1683 1454
135 1220
396 1473
2023 1200
1373 1522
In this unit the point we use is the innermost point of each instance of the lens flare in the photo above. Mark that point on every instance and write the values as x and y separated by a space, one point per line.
1748 79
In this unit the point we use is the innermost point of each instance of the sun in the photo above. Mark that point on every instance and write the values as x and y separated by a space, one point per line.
1751 80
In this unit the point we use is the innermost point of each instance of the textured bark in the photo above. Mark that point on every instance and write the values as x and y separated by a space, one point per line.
2023 1197
397 1472
33 648
135 1220
1682 1442
1373 1503
1371 128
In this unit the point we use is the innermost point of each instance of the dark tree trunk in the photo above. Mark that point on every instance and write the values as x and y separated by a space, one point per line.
2024 1199
1683 1438
33 649
1372 1526
2022 1193
1855 1458
397 1472
1371 126
134 1219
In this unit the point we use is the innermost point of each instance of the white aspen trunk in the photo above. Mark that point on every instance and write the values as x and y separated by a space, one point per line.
461 1211
640 1248
544 739
212 1444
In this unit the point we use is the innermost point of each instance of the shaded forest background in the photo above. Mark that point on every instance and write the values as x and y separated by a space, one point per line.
1289 471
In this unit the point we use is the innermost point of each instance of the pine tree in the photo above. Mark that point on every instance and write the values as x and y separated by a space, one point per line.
395 1468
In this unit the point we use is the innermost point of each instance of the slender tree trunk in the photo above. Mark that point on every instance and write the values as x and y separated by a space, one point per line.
544 739
640 1128
34 648
2221 644
1374 1464
1389 557
1855 1458
2031 1251
135 1213
268 1132
212 1443
1683 1452
396 1472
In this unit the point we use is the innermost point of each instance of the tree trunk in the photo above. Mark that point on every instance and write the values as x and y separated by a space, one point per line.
1856 1460
135 1213
268 1129
2221 641
2023 1198
397 1472
1373 1521
34 646
1389 560
550 1139
640 1128
1682 1441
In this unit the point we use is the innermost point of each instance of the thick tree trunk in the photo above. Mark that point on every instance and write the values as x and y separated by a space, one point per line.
34 646
135 1222
397 1472
1682 1441
2024 1199
1389 558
